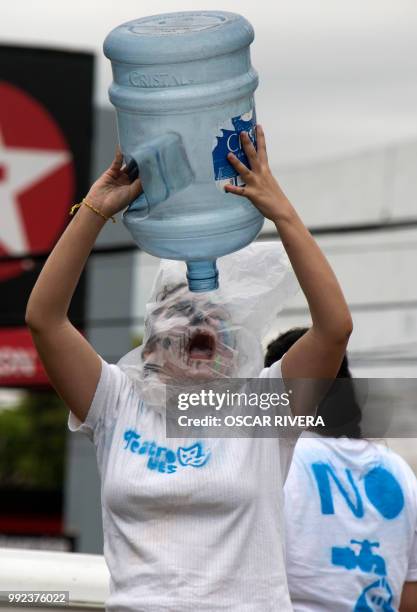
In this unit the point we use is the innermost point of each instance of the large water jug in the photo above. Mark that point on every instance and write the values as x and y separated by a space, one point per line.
183 87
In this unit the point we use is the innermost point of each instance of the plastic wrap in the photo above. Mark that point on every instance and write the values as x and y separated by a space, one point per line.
204 336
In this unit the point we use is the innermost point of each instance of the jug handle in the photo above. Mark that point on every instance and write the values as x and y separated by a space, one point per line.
132 170
163 167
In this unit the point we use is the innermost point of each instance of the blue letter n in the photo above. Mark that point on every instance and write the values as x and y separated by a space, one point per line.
322 473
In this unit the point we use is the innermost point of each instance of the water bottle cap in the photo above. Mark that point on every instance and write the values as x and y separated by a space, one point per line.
177 37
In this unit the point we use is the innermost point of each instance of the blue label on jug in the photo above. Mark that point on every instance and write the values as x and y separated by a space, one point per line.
229 141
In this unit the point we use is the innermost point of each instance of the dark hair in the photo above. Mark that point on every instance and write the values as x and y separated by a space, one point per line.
339 409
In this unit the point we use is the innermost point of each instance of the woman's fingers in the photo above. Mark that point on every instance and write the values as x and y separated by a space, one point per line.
250 151
136 187
261 144
116 164
235 189
238 166
126 194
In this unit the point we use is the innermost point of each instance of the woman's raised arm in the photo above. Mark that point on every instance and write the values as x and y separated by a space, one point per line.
319 353
71 363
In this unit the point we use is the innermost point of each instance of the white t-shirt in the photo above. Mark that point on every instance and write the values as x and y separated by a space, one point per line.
337 491
197 527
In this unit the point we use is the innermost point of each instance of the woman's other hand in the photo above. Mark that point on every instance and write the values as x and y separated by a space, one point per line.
113 191
261 187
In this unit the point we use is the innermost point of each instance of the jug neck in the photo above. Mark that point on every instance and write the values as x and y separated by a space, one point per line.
202 275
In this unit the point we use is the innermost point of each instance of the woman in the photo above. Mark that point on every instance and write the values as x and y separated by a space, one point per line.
177 537
350 511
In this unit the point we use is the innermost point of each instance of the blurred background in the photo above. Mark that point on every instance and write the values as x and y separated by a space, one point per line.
338 102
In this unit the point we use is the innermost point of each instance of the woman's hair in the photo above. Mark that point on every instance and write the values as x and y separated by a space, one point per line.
168 290
339 409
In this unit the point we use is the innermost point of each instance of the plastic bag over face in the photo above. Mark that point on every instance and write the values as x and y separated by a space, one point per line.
206 336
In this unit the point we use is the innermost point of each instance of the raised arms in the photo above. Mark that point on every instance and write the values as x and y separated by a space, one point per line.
70 361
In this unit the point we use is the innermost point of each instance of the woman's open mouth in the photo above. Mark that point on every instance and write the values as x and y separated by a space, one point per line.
201 346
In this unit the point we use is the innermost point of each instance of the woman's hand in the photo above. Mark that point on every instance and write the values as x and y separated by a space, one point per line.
113 191
261 187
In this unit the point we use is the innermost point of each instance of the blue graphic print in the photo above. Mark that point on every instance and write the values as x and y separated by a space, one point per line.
322 473
378 488
229 142
378 594
193 455
163 459
365 560
384 492
381 487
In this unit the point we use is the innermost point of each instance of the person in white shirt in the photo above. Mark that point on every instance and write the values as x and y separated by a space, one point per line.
184 528
350 511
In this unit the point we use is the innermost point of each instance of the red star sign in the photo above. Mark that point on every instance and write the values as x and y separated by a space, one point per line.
37 179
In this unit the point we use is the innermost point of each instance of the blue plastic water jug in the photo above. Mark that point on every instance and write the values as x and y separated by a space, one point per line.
183 87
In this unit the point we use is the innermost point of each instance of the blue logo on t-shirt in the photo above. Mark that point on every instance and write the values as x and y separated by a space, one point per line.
377 595
193 455
379 488
163 459
366 560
